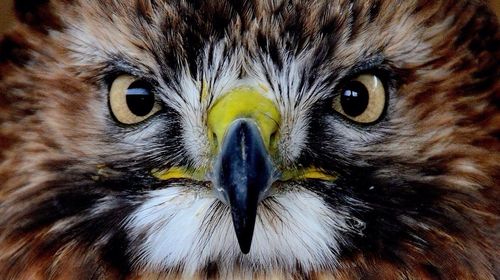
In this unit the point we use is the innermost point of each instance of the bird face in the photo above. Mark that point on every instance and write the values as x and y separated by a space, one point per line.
266 138
238 176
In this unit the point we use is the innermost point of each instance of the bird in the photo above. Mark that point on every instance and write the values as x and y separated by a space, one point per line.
254 139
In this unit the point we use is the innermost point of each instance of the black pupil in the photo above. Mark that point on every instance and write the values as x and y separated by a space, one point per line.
354 99
140 99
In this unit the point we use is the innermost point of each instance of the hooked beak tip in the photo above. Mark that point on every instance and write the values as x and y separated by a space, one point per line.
244 234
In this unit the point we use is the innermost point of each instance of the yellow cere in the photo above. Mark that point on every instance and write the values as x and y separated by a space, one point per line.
178 173
309 173
243 102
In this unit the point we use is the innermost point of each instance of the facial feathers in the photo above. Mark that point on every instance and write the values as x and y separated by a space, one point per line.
405 186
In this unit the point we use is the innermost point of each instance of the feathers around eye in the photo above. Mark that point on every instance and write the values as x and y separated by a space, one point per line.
124 179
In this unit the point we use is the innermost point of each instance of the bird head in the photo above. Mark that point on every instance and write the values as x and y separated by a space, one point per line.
249 138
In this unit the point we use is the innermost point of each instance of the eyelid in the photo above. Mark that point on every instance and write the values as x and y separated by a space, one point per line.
373 65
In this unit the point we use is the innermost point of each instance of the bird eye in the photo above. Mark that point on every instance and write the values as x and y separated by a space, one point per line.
132 100
362 99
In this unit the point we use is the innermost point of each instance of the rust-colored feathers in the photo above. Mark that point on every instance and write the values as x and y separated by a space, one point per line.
418 190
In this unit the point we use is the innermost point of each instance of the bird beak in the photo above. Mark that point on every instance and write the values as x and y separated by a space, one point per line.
242 128
243 124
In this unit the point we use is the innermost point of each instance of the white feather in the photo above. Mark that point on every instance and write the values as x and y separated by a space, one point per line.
298 229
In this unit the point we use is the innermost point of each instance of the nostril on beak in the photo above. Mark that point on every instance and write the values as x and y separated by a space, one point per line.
215 140
273 139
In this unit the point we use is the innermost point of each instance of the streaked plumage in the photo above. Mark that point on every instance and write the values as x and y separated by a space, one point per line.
416 191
